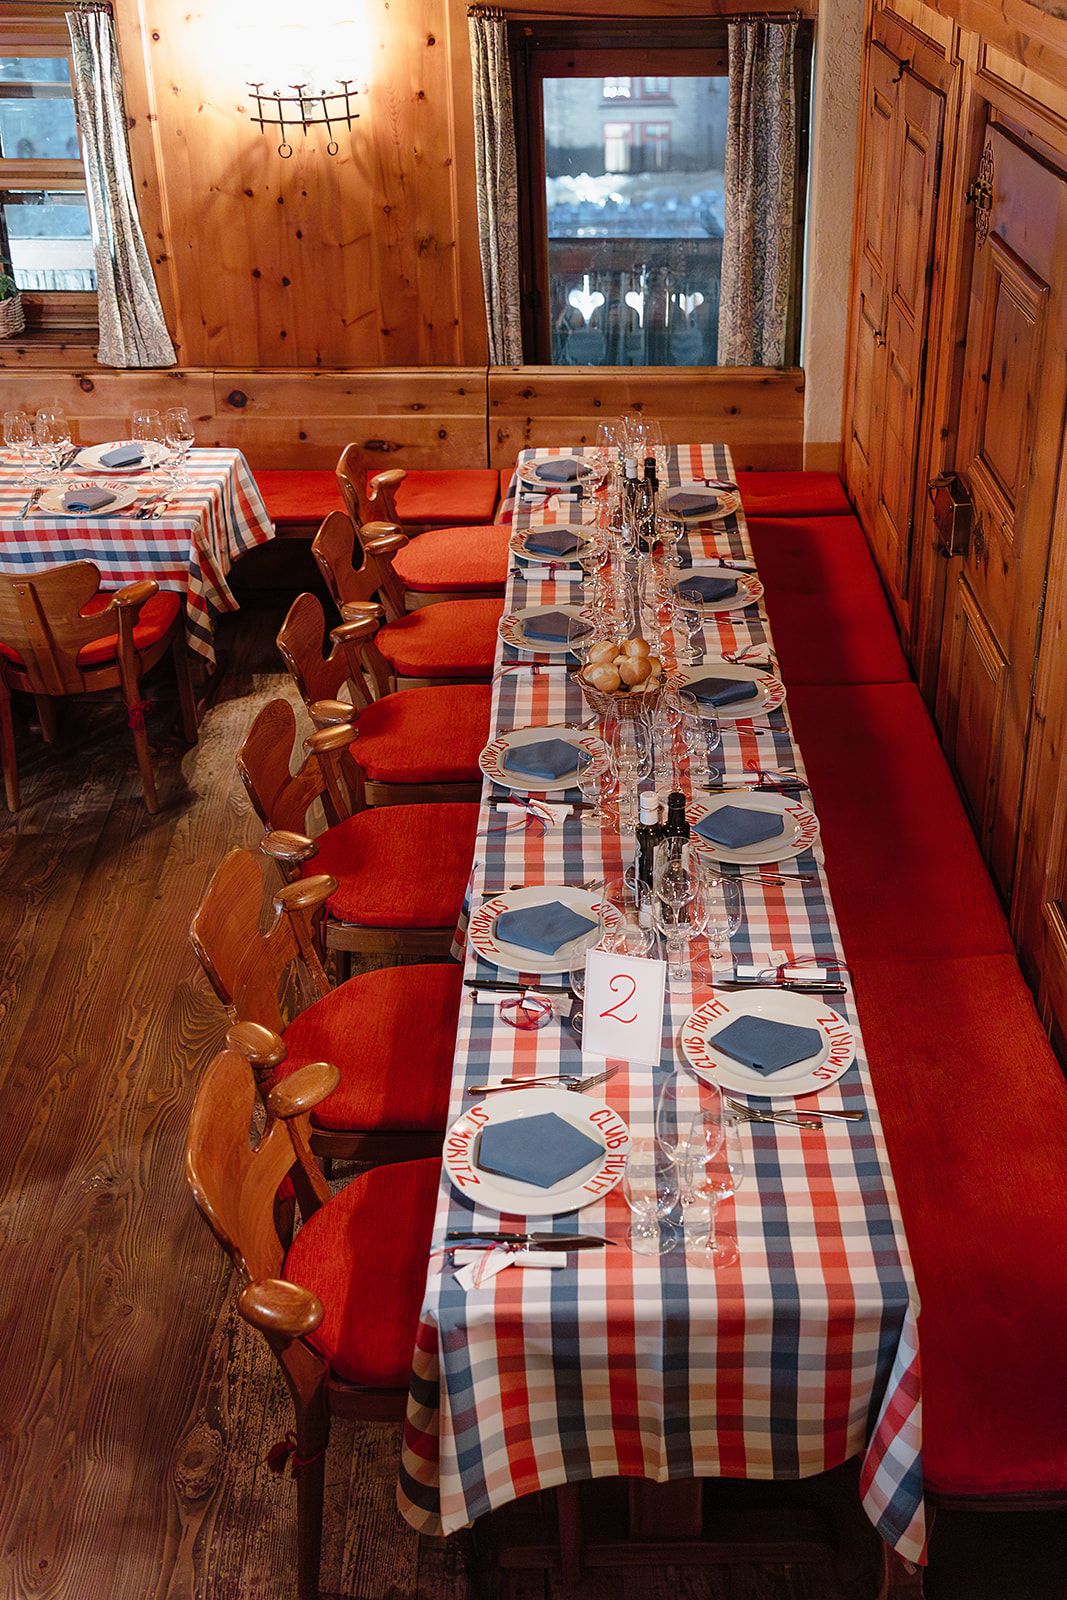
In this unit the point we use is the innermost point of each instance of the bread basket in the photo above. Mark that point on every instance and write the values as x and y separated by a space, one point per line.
619 702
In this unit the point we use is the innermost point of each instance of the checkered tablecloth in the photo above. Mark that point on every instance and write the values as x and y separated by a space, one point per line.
802 1355
209 521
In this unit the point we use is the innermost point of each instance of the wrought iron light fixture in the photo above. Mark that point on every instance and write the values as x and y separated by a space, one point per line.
305 108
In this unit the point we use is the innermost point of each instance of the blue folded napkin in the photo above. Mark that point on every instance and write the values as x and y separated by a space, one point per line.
87 499
551 542
708 588
124 455
544 928
690 503
564 469
548 758
765 1045
722 691
551 625
735 826
542 1150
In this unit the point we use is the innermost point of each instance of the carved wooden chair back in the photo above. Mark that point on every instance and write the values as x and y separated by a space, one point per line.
353 666
281 797
258 973
40 617
351 479
357 571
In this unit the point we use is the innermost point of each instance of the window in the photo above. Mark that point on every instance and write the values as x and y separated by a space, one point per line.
622 214
45 240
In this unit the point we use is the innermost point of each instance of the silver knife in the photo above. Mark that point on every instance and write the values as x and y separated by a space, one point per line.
458 1240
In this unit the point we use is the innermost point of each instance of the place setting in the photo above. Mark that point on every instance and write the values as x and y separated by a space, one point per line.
542 760
694 503
545 629
751 828
728 691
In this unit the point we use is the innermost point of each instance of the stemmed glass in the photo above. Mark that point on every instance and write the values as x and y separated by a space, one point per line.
716 1170
722 909
596 781
180 437
701 732
581 637
147 428
676 907
631 744
650 1185
52 432
18 437
680 1102
689 610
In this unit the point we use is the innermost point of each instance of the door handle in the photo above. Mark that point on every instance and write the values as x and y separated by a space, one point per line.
953 514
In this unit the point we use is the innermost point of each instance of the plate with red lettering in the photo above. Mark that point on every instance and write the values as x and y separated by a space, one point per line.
799 831
833 1056
482 935
491 1191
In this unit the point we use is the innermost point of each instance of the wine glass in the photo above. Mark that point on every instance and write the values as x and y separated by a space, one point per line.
18 437
679 1100
52 432
146 425
675 903
689 611
179 436
650 1185
581 637
596 780
722 910
701 732
716 1170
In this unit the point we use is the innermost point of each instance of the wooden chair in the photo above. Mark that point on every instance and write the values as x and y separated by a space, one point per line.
420 498
339 1306
401 871
61 634
451 642
443 564
412 744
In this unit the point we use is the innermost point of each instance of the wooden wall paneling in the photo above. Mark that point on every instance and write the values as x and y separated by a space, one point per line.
1031 32
758 411
473 344
99 400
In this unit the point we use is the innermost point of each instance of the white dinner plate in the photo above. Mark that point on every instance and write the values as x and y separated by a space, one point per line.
490 1192
728 500
835 1055
512 629
801 827
517 543
88 458
528 474
771 689
481 933
749 587
51 500
492 757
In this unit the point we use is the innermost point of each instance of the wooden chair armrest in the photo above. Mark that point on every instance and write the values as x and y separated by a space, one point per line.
290 848
132 596
338 736
303 1089
378 530
391 478
259 1045
385 545
307 894
327 713
363 618
277 1307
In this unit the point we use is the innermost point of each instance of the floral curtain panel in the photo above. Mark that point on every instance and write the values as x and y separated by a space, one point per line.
757 257
498 185
132 330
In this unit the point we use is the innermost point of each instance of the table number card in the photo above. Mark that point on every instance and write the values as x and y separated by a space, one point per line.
622 1012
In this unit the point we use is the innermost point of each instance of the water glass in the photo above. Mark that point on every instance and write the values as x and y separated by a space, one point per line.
650 1186
596 781
715 1170
179 435
676 904
52 433
721 908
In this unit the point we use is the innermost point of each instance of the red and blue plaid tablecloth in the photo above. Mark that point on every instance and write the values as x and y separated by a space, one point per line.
213 518
802 1355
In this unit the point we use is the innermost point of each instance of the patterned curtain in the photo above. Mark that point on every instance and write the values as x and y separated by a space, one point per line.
498 185
757 254
132 330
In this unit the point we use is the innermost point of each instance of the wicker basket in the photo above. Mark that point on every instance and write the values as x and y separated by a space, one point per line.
620 703
12 320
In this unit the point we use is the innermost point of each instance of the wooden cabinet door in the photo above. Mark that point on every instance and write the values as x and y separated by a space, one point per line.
916 177
1011 427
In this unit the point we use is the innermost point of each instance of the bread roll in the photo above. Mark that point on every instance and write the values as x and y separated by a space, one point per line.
603 677
636 647
604 651
635 670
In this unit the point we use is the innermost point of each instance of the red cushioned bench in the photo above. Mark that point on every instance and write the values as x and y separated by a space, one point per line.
297 501
793 494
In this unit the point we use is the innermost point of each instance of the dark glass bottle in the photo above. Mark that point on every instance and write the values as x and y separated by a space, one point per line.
676 825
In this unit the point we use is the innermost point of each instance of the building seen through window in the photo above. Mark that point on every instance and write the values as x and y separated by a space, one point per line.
45 241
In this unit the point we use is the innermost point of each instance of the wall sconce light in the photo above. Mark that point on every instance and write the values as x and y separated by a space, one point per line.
305 108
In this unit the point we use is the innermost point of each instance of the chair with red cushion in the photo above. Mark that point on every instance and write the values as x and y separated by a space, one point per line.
298 500
792 494
442 564
411 744
974 1107
828 612
340 1306
61 634
440 498
904 867
453 642
391 1032
401 871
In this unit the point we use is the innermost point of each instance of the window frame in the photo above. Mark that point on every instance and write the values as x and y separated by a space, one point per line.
46 308
671 48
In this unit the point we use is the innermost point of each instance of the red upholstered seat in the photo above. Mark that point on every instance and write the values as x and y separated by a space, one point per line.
455 559
975 1113
391 1034
507 481
792 494
425 735
904 868
399 866
449 498
829 615
300 496
157 615
364 1255
456 639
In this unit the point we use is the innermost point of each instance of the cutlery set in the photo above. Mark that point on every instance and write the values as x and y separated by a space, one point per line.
556 1080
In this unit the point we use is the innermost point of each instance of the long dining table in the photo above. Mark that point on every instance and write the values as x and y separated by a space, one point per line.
803 1354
